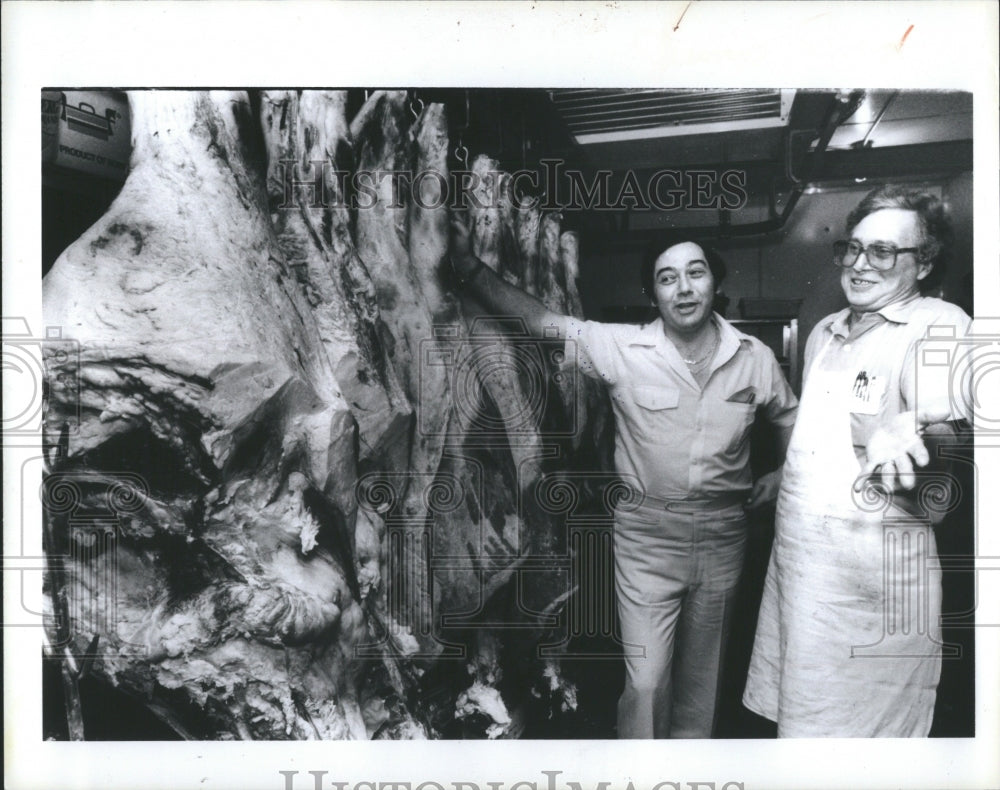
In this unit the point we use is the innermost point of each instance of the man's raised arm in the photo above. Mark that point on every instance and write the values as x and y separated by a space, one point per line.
495 293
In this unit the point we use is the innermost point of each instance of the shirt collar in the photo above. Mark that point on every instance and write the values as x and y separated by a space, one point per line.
729 339
897 312
838 322
649 335
901 312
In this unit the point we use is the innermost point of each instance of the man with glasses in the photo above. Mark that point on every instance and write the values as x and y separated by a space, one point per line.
848 636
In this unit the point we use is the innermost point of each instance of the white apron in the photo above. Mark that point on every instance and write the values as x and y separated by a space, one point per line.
848 636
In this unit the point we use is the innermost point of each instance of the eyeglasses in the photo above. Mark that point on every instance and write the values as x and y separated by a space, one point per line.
880 256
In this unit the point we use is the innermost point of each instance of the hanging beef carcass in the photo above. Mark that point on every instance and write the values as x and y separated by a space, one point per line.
205 379
308 143
258 367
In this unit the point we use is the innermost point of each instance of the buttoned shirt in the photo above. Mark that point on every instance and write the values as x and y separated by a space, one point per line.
891 364
678 439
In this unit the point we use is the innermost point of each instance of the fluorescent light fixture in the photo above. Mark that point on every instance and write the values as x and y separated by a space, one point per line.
603 116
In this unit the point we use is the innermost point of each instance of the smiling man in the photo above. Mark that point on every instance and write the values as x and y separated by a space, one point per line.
685 390
848 639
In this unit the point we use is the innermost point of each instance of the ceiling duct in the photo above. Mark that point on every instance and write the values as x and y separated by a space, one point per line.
602 116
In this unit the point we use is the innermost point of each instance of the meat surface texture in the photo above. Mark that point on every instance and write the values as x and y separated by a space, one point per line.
298 472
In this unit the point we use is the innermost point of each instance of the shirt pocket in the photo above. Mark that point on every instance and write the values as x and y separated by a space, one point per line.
868 414
646 412
655 398
734 421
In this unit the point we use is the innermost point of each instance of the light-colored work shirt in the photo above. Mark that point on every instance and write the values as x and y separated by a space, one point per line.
891 364
678 439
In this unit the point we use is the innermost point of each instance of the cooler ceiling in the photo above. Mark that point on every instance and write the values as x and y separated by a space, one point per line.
601 116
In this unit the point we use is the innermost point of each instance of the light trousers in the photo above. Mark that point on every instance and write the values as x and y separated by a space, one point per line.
677 569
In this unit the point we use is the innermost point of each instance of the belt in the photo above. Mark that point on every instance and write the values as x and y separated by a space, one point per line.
695 504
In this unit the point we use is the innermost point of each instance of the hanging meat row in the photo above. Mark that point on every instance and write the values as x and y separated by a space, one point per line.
331 458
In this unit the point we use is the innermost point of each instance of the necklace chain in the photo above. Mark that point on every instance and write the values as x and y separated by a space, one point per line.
697 361
707 354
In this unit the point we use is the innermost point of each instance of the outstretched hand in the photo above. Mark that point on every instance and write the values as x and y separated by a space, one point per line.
894 450
494 293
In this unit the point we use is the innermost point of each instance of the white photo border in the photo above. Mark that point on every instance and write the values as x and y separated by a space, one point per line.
925 45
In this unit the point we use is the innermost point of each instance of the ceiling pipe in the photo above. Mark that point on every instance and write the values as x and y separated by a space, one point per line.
842 107
866 142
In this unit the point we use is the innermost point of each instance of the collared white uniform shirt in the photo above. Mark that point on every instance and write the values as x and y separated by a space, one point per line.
891 363
678 439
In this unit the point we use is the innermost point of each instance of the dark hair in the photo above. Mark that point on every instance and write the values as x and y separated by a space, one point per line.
661 244
935 227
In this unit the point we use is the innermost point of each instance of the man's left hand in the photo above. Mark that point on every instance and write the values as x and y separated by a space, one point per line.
892 452
765 489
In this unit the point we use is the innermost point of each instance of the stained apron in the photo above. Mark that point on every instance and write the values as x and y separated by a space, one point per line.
848 635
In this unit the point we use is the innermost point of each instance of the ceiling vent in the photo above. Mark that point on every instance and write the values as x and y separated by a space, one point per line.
602 116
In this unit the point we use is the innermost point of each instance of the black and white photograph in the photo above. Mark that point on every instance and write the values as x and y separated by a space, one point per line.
634 431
